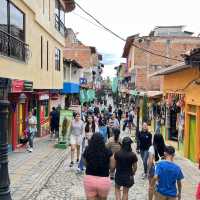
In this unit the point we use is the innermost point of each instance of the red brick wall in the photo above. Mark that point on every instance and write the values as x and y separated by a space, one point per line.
145 63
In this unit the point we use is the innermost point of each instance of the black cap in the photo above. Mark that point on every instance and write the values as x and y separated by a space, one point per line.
170 150
127 140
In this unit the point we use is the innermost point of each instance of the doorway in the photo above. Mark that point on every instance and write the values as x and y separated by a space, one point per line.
192 135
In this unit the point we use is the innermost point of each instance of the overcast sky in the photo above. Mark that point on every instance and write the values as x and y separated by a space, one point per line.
126 18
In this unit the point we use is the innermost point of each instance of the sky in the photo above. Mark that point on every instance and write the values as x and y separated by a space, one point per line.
128 17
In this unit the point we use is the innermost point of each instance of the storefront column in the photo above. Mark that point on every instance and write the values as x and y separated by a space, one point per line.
186 132
197 144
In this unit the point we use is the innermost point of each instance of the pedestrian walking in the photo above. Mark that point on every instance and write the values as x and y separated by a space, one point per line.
103 130
120 113
168 176
32 130
97 160
156 153
125 163
125 130
145 141
91 127
114 145
54 123
76 137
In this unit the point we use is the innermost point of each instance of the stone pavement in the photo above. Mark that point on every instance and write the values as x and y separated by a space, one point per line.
30 171
43 175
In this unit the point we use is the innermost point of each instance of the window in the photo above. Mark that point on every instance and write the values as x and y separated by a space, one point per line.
16 23
57 59
41 53
47 55
43 6
4 16
49 10
59 17
12 31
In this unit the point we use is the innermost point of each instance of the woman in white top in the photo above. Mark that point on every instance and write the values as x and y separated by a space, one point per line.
156 153
90 127
77 129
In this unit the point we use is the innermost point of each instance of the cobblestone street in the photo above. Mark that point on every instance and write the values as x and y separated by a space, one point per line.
43 175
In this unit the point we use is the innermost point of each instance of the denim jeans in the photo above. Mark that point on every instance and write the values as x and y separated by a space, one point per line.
144 156
30 139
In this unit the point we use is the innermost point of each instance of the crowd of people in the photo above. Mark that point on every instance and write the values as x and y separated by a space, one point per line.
102 140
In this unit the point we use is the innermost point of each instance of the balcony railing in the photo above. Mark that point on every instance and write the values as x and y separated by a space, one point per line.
60 26
13 47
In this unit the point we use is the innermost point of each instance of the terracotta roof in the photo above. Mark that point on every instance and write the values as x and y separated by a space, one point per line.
128 44
172 69
74 62
69 5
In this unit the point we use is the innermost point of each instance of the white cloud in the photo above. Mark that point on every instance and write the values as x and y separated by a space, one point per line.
129 17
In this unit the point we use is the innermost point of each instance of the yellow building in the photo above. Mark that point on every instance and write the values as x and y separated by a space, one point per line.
181 84
32 38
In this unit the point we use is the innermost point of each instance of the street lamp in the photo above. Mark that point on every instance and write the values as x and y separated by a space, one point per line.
4 176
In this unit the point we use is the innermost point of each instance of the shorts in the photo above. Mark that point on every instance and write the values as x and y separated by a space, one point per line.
123 180
97 186
76 140
159 196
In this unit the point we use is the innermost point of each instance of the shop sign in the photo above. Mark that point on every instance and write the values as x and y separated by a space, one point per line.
17 86
28 86
83 81
66 117
43 97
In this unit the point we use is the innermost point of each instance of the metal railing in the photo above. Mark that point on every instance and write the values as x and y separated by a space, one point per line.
12 47
60 26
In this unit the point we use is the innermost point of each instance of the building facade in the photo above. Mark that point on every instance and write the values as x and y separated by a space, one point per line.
31 45
183 104
168 41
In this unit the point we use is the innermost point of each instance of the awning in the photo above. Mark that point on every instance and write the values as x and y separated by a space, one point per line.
169 70
70 88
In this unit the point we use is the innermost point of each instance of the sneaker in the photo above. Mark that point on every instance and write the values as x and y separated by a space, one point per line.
144 176
71 164
30 150
77 160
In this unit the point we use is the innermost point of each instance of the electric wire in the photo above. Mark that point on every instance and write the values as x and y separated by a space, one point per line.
121 38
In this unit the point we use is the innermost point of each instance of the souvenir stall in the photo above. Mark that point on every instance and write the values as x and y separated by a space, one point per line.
175 118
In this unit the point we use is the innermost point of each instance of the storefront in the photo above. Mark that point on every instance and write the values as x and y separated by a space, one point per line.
183 108
21 98
71 91
56 99
43 113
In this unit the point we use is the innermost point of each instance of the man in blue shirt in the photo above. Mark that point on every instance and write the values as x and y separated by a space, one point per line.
168 176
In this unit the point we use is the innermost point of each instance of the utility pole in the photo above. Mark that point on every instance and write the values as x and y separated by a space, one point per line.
4 176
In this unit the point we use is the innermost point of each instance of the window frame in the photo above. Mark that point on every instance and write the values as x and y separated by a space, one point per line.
57 61
41 51
15 46
24 20
59 24
47 55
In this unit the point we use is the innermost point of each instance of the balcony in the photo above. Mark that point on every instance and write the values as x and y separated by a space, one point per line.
60 26
13 47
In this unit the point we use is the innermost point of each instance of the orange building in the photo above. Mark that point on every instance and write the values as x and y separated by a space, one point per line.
183 81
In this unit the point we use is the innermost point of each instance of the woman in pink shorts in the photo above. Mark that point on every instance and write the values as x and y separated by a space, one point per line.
97 159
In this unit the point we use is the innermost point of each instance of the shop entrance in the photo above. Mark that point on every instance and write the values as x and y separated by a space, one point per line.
192 135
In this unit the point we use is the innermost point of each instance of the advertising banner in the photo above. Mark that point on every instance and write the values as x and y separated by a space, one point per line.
66 117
